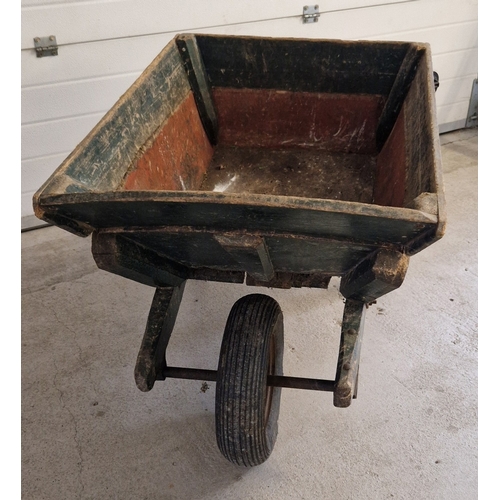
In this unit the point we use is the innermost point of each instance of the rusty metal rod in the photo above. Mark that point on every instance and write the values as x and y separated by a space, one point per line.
311 384
190 373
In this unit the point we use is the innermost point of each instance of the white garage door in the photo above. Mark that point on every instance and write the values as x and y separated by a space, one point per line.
105 44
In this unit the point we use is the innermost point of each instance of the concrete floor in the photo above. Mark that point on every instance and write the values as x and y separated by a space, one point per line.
88 432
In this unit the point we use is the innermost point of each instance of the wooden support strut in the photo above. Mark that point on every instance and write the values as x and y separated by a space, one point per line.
346 379
381 272
151 362
195 70
251 253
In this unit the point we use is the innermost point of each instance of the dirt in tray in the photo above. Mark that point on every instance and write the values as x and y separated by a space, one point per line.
302 173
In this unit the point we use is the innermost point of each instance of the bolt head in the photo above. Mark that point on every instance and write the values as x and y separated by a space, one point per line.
347 366
52 38
37 39
351 331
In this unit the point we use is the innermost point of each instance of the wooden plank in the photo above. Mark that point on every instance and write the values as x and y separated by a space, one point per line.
250 252
289 254
222 212
293 280
126 254
380 273
283 119
118 254
287 64
197 76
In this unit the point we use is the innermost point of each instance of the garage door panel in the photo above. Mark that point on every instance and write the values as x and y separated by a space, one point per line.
55 137
36 171
77 22
73 98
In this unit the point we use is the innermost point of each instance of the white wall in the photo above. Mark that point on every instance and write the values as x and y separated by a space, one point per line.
105 44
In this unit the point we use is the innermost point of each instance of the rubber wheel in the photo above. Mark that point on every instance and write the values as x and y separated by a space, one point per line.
246 409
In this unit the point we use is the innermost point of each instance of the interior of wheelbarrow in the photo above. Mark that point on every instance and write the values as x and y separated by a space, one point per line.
284 117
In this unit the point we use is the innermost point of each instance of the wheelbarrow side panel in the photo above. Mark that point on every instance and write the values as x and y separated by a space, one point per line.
100 162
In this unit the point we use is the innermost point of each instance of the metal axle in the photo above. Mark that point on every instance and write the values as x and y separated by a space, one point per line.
310 384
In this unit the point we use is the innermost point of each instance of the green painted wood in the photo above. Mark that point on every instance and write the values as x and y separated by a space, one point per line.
151 361
219 212
301 65
378 274
195 70
250 252
118 254
349 353
291 254
124 254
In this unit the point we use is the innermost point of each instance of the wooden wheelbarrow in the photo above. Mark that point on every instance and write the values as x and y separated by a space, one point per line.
275 162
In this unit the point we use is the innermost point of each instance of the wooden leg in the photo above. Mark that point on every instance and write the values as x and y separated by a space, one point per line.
151 362
350 349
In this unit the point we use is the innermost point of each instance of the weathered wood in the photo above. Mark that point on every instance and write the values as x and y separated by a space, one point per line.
398 93
380 273
390 177
101 160
293 280
227 212
312 260
125 254
420 153
118 254
151 360
307 173
176 157
426 202
349 67
282 119
351 337
195 70
250 252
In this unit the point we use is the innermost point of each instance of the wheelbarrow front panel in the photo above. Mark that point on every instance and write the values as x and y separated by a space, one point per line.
264 156
298 65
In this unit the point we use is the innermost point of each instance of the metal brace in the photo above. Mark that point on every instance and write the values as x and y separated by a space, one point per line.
46 46
311 14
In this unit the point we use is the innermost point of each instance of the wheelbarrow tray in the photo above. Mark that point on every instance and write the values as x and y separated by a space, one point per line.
282 161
